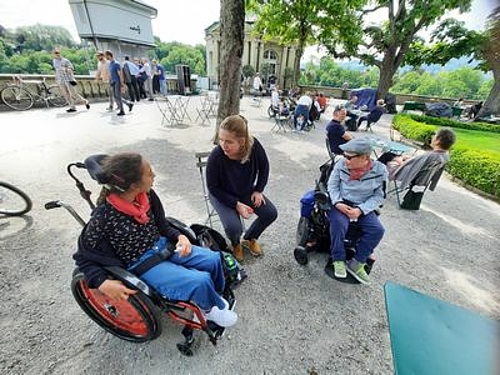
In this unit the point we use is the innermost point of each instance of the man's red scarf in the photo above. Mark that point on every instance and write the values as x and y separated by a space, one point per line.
138 209
356 174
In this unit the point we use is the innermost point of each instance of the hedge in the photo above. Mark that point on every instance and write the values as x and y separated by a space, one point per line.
480 169
440 121
477 168
412 129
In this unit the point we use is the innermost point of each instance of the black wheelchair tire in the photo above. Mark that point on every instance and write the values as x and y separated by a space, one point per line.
270 112
300 255
25 202
302 231
135 319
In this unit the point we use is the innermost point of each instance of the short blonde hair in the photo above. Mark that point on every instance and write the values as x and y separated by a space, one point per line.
237 125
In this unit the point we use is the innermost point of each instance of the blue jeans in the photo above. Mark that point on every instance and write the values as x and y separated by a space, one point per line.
304 111
163 87
231 220
198 277
372 232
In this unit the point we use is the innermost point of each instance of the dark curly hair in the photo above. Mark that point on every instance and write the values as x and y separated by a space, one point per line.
121 171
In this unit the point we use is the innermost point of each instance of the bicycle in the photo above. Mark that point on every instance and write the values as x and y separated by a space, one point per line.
20 97
13 201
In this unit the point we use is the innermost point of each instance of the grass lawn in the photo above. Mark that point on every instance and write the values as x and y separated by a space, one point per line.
476 139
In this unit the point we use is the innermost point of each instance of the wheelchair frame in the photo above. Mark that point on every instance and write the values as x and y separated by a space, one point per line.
136 319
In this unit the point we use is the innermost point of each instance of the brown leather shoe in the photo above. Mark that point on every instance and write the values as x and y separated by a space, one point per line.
238 252
254 248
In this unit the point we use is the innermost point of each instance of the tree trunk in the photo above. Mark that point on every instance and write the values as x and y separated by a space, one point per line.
387 70
492 104
232 32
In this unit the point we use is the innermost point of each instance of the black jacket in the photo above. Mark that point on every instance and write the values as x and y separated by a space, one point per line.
91 260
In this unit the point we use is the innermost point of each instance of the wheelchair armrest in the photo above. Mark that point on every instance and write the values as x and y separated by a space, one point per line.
129 279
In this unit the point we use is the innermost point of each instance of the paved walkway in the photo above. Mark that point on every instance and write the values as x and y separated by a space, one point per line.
292 319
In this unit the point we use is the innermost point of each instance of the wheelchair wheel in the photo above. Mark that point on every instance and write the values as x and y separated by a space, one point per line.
302 231
301 256
133 320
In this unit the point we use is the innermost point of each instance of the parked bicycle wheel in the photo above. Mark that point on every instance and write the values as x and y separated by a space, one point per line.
17 98
13 201
55 97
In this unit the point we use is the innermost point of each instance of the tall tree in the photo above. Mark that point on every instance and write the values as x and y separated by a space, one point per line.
304 21
386 44
453 40
491 52
232 33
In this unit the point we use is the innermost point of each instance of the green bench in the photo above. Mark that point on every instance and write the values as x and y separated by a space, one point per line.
413 106
430 336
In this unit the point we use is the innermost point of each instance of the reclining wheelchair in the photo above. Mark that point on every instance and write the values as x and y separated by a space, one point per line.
137 319
313 229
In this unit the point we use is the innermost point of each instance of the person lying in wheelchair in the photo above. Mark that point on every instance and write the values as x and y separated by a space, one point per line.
128 227
357 188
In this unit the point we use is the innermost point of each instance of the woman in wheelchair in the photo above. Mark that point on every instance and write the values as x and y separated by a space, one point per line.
128 227
356 188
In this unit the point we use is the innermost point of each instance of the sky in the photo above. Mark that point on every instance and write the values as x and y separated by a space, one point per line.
182 21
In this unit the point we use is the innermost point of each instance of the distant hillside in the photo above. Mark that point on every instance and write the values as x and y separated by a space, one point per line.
453 64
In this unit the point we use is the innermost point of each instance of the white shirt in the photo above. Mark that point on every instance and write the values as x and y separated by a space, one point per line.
305 100
257 83
275 98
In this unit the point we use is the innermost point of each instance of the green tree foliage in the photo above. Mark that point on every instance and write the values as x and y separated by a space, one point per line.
42 37
386 44
171 54
303 22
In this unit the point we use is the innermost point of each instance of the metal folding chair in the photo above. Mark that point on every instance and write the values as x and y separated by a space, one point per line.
426 178
201 163
280 123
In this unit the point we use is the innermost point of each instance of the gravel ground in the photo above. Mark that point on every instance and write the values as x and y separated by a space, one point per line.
292 319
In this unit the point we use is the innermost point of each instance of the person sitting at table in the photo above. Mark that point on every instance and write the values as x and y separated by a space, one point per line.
404 169
374 115
335 131
302 111
321 99
357 188
128 227
351 106
237 173
474 110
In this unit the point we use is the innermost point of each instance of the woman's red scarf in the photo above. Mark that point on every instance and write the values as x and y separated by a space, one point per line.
138 209
357 173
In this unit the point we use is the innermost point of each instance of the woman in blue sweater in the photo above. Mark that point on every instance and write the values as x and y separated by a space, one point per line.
237 173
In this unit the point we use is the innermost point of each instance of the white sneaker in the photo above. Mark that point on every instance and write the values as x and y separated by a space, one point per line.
223 318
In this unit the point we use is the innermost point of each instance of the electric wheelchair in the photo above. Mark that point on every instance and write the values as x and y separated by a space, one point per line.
313 229
137 319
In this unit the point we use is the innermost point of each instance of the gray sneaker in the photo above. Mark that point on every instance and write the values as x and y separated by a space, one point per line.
339 269
357 270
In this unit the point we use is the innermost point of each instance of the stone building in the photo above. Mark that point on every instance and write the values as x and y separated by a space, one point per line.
122 26
267 57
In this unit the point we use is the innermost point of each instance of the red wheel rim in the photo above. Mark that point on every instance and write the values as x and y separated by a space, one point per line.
121 314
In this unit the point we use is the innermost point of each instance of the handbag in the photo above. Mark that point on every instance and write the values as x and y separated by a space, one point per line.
412 200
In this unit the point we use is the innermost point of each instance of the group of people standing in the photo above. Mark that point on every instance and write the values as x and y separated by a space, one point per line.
133 76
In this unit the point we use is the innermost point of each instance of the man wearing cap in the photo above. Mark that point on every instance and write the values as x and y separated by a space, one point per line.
356 187
102 74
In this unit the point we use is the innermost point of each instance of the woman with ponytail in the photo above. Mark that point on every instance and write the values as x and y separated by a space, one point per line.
128 227
237 173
